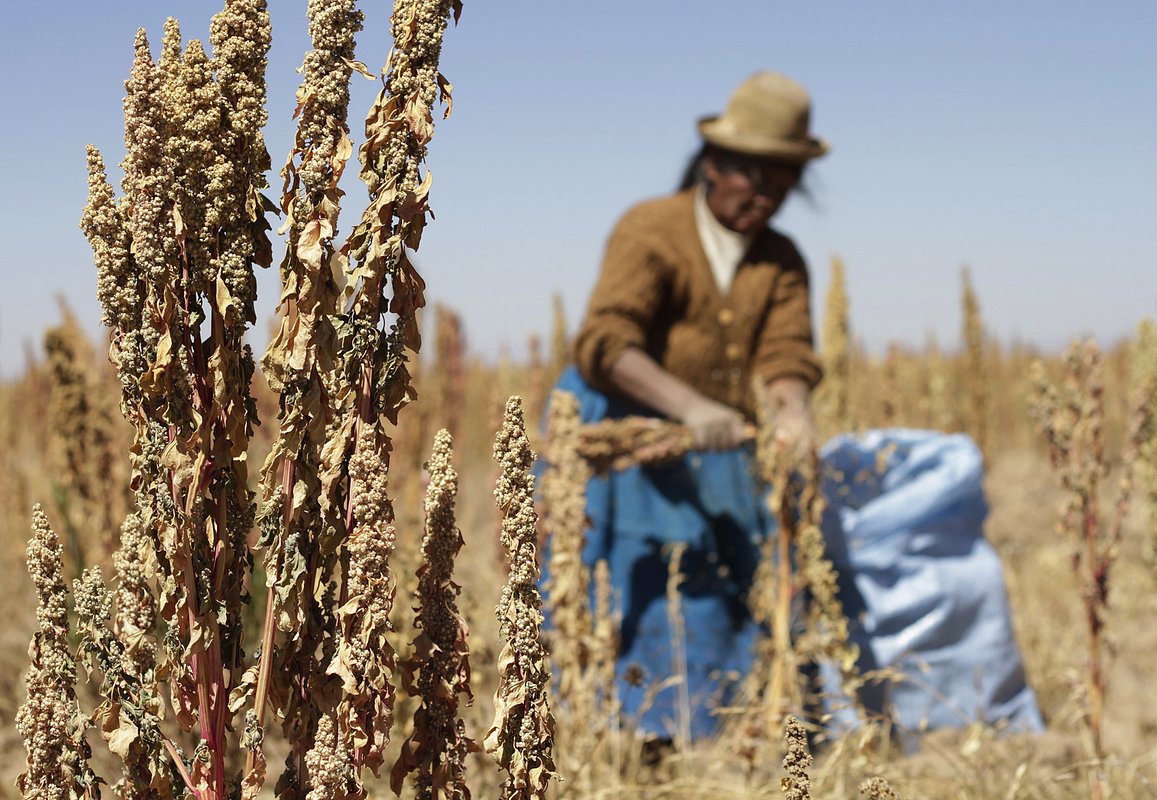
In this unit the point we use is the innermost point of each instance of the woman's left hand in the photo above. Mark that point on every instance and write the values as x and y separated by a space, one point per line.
795 428
787 401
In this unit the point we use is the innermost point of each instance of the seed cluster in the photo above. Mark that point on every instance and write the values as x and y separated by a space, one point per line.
877 788
974 380
148 177
796 785
82 436
103 223
325 95
136 608
521 737
832 395
303 516
614 444
50 721
328 761
827 625
568 585
1144 378
367 660
240 35
439 671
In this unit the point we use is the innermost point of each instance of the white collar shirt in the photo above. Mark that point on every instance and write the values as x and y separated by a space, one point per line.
723 247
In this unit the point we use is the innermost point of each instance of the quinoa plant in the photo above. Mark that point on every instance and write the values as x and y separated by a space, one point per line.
301 526
439 671
974 377
794 582
83 443
449 381
568 585
50 721
521 737
559 340
1071 419
175 258
832 396
939 383
796 783
1144 374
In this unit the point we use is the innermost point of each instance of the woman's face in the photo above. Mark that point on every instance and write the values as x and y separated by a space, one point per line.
744 193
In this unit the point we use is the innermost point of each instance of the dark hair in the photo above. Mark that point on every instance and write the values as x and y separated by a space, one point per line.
693 172
694 169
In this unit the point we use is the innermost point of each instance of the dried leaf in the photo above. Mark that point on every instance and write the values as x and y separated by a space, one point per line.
121 737
446 90
255 777
309 245
358 66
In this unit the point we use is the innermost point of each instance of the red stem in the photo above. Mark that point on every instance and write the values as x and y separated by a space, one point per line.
265 667
180 765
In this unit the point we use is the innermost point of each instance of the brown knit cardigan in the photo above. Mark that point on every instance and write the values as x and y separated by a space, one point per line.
656 292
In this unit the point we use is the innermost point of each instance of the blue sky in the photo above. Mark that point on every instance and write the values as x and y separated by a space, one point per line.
1017 138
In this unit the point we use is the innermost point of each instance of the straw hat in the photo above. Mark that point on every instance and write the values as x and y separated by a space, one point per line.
767 116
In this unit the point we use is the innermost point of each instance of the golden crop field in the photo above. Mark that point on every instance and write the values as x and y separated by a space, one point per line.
70 455
314 572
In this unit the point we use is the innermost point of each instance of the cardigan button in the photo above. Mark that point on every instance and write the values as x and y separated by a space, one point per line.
733 351
726 317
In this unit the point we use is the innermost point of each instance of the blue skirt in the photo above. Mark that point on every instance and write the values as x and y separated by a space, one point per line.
712 503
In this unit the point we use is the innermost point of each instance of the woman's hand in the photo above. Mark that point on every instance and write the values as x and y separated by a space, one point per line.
795 428
714 425
787 401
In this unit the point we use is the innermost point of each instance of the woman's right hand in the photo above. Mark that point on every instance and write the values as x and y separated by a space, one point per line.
715 426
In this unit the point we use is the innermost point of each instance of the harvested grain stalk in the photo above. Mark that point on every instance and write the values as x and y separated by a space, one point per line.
615 444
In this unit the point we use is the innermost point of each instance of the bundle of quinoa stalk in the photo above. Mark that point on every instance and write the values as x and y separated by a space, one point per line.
615 444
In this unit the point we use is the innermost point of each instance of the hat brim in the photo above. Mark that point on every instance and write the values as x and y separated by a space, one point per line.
795 150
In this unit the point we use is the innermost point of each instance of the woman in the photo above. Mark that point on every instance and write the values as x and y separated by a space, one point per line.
700 312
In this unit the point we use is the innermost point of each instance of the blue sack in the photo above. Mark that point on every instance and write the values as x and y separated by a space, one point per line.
922 588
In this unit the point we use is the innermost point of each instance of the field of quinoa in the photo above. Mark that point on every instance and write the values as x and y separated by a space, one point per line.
313 571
